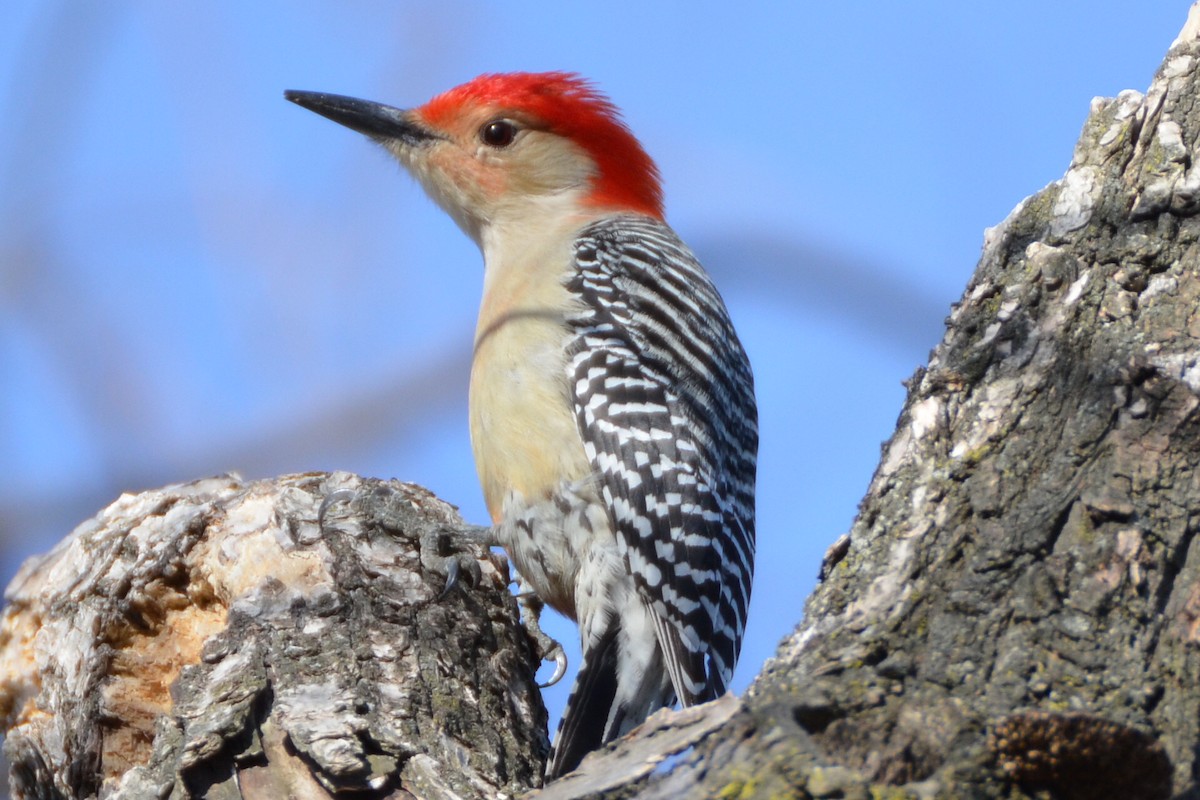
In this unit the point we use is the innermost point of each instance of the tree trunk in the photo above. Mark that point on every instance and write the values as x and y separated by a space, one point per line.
1015 613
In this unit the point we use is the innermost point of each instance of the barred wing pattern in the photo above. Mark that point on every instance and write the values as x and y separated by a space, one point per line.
664 399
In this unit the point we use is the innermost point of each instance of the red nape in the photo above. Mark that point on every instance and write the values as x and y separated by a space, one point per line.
568 105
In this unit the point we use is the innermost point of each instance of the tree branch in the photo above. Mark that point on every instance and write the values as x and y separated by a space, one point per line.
213 640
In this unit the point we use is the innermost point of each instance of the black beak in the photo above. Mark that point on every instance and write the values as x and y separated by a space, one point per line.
373 119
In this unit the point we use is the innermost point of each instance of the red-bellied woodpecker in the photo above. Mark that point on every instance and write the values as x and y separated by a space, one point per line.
612 407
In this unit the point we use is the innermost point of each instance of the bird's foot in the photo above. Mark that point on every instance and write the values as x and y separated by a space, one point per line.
547 648
445 550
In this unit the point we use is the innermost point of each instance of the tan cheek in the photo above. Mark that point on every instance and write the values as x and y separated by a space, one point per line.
552 166
478 180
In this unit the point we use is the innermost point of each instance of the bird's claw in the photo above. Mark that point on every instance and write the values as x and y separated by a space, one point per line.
454 567
560 667
453 571
547 648
332 499
440 554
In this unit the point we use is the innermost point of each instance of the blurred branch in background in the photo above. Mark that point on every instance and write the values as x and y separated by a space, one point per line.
810 279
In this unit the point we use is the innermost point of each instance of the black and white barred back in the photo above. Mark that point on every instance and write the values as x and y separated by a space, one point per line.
664 398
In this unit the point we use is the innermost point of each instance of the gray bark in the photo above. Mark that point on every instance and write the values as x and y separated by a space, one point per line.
1015 613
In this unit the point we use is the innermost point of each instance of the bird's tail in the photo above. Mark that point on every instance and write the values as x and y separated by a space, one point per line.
620 683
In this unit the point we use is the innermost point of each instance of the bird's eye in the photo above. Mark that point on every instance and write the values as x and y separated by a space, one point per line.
498 133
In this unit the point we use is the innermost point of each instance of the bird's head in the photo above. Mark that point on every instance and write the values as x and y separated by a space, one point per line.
503 147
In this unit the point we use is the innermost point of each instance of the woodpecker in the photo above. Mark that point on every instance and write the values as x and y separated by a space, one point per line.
612 409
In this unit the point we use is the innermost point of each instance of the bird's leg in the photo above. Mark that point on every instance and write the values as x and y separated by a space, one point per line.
531 618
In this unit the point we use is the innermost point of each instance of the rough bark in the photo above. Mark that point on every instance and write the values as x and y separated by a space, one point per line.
215 640
1015 613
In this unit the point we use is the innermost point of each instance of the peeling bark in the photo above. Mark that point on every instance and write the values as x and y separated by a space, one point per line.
1015 613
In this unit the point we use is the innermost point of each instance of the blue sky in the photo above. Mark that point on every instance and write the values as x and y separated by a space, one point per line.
197 276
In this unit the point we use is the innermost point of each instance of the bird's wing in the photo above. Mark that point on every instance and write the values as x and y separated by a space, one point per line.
664 399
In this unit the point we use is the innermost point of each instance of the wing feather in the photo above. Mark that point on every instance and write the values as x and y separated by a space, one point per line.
664 399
